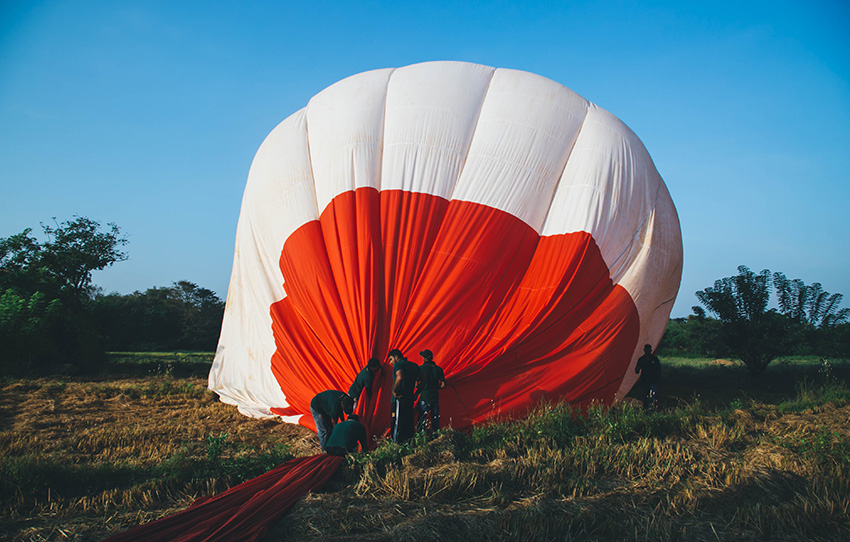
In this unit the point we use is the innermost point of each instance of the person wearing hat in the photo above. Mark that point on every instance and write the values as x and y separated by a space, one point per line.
405 378
431 382
327 408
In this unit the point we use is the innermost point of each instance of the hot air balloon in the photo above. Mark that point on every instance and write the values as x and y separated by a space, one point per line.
492 216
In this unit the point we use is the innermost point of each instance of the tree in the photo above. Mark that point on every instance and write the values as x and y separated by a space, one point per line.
45 288
695 335
18 252
203 312
809 304
750 331
814 312
26 326
181 316
21 268
76 248
64 263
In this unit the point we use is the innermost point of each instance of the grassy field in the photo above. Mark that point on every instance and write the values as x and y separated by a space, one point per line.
726 457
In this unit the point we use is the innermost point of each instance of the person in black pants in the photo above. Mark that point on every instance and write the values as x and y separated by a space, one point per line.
327 408
649 368
431 382
405 377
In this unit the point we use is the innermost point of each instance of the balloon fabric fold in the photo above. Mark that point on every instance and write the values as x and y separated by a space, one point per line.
243 512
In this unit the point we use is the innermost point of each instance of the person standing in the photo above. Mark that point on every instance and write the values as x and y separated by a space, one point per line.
405 377
432 381
327 408
649 368
365 380
346 436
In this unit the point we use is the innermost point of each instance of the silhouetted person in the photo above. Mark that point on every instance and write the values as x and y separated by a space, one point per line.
364 380
346 436
432 380
327 408
405 377
650 376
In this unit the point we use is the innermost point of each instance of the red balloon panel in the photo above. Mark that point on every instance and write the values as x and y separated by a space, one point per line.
512 317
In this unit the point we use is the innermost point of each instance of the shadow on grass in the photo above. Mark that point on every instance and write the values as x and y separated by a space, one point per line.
718 383
30 479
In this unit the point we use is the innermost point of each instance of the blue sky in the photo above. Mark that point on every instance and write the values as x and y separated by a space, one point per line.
148 114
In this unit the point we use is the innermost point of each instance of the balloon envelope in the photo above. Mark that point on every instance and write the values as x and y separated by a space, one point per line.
492 216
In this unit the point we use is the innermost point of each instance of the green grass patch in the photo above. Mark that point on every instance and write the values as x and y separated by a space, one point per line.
176 364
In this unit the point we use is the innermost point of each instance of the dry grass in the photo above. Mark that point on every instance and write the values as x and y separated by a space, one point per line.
734 477
82 459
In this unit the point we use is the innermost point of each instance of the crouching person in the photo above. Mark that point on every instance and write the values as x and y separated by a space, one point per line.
327 408
346 436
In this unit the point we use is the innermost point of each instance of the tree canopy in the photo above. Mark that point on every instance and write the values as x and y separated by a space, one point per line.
64 263
182 316
756 334
78 247
809 304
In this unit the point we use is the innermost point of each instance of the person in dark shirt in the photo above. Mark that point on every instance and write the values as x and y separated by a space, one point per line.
346 436
649 368
431 382
327 408
364 380
405 377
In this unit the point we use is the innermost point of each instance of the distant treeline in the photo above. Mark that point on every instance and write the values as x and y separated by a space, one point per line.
51 316
179 317
699 336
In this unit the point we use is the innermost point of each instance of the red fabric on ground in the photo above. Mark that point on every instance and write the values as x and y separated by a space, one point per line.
243 512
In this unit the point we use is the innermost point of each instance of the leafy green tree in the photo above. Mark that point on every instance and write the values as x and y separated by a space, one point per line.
203 312
815 313
182 316
809 304
76 248
749 330
26 327
65 262
18 252
46 288
21 268
695 335
838 341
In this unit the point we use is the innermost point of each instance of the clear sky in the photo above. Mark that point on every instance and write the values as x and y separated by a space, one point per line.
148 114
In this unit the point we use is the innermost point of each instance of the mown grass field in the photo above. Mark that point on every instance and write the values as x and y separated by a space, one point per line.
726 457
